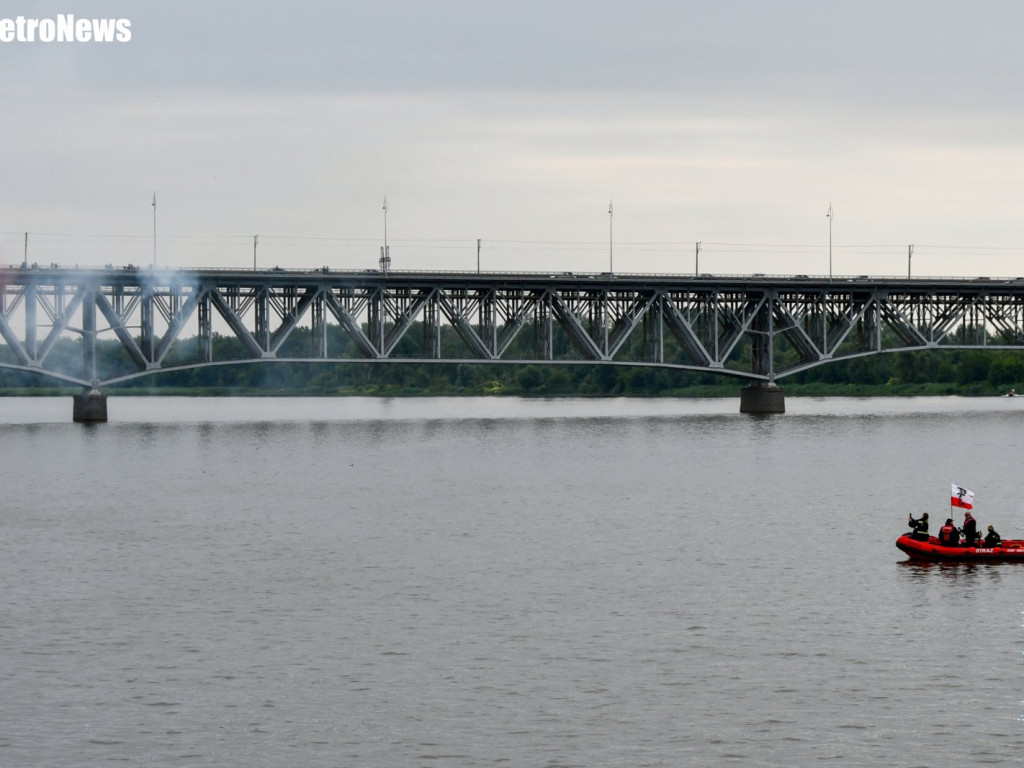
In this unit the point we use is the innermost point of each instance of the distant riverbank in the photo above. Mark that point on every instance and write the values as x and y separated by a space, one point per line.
932 373
728 390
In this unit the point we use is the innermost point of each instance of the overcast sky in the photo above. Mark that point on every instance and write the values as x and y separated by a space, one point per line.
732 123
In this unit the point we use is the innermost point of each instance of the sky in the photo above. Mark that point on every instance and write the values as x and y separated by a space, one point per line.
272 132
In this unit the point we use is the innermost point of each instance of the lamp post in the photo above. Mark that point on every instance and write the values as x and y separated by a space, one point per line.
910 252
154 229
611 270
830 216
385 252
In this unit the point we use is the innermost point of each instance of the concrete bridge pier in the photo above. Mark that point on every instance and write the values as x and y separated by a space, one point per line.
762 399
90 407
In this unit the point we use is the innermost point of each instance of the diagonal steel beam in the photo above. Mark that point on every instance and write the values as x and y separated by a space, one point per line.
515 320
15 344
176 323
630 319
404 320
463 327
237 326
573 326
685 334
60 323
899 324
292 319
118 327
351 326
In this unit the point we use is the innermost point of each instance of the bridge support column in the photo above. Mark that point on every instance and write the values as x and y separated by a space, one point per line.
90 407
762 399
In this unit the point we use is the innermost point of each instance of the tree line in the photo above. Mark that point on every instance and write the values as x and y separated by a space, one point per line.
939 372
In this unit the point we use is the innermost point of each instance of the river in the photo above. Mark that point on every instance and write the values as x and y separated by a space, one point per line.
483 582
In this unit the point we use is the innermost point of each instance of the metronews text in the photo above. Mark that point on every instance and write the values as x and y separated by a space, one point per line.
65 29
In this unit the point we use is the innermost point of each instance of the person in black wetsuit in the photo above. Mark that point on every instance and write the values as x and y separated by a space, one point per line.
919 527
992 539
970 530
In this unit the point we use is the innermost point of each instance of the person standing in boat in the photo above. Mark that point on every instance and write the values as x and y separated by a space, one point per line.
948 534
970 530
919 527
992 539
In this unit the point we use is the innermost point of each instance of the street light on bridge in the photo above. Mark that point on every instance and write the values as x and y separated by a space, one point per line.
385 252
830 216
154 229
610 269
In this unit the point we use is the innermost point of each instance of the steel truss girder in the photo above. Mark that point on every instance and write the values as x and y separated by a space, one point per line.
759 328
817 325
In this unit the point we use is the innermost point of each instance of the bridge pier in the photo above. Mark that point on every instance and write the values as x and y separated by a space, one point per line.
762 399
90 407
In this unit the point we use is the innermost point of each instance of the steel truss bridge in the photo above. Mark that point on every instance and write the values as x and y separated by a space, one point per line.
756 328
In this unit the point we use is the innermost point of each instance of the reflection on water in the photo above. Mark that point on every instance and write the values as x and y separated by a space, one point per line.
924 569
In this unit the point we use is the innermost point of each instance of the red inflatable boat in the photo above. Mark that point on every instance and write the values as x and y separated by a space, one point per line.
1008 550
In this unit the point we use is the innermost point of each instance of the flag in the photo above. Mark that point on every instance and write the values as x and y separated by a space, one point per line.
961 497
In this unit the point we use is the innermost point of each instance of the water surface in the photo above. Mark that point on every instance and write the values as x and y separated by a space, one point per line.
462 582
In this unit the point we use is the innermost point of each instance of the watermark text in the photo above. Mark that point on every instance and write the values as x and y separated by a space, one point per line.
64 28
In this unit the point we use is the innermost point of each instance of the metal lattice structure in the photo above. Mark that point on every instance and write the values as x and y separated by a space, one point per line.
758 328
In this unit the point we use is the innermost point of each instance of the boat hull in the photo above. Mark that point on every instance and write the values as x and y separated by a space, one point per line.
1010 550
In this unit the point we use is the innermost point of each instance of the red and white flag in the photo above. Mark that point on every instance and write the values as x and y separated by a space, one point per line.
961 497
